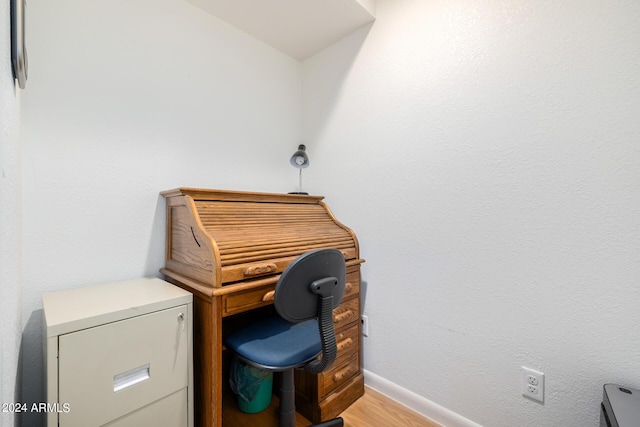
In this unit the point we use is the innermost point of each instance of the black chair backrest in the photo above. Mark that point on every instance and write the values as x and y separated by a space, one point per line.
311 287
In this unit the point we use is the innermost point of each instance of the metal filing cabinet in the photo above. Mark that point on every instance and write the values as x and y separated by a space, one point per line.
119 354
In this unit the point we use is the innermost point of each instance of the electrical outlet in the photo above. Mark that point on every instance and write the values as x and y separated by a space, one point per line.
533 384
365 325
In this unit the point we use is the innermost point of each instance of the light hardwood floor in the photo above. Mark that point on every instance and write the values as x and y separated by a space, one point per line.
375 409
372 410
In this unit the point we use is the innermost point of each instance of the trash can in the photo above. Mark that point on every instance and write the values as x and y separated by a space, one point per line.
252 385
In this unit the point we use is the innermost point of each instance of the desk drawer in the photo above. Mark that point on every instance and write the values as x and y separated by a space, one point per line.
347 342
249 299
347 363
108 371
238 302
345 313
352 285
273 262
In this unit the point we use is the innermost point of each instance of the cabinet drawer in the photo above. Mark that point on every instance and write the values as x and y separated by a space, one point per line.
108 371
347 363
345 313
168 411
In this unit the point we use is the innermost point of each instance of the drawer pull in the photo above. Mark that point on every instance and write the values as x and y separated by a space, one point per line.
344 344
348 287
345 254
131 377
342 374
343 316
269 296
254 270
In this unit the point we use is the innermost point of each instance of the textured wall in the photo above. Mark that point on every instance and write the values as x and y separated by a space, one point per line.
127 99
10 286
487 154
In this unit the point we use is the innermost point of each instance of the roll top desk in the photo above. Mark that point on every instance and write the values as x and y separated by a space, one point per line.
228 248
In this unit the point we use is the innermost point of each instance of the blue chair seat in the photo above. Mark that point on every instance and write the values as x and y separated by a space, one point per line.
277 344
307 291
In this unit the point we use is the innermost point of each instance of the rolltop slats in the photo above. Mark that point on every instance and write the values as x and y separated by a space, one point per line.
254 234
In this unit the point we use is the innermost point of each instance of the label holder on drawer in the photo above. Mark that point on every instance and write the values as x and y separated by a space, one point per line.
131 377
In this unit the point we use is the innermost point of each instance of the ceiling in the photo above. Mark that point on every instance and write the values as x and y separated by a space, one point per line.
299 28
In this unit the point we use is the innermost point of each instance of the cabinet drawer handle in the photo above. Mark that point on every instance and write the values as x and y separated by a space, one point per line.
254 270
134 376
181 320
348 287
269 296
340 375
345 315
345 254
344 344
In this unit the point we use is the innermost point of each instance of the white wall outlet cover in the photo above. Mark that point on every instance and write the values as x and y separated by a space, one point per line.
532 384
365 325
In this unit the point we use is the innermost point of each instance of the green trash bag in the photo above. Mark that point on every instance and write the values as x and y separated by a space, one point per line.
252 385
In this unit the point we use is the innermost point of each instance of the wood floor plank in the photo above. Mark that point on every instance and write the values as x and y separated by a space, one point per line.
376 409
372 410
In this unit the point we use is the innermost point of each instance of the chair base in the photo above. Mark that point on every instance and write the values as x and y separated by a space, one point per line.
287 411
336 422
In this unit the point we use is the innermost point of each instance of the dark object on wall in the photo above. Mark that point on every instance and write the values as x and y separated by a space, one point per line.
18 48
620 406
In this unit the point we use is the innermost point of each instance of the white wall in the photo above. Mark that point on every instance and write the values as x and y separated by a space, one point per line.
10 184
494 193
124 100
487 154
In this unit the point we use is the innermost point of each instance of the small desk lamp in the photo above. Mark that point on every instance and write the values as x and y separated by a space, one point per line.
300 160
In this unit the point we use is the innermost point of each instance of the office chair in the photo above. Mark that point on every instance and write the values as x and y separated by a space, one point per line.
306 294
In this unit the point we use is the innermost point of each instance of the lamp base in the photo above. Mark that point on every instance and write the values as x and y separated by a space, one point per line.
299 192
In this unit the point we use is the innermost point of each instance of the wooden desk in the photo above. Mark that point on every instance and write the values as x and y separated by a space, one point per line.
228 248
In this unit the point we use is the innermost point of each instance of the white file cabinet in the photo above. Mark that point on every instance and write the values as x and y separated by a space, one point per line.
119 355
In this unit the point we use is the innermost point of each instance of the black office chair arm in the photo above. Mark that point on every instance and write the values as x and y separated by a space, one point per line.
324 288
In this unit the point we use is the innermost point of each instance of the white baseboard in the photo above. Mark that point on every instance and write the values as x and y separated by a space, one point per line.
416 402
